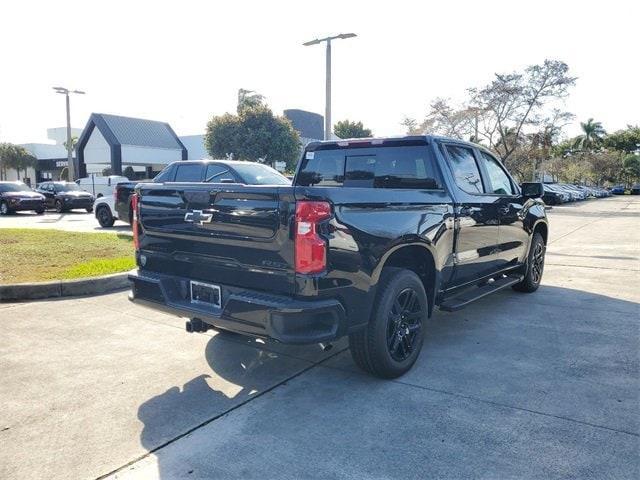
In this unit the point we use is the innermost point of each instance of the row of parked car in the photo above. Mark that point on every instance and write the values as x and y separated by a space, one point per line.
558 193
61 196
621 190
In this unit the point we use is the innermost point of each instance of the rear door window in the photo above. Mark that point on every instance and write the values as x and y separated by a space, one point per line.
189 172
217 173
404 166
465 169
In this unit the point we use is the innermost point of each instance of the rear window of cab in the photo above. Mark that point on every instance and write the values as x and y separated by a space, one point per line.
367 166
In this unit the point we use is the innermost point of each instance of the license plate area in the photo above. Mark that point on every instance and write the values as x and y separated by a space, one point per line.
205 294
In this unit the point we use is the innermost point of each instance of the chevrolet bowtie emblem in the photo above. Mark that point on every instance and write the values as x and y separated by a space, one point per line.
196 216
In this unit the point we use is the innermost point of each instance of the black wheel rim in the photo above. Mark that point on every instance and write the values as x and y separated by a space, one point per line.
104 216
537 264
58 207
404 324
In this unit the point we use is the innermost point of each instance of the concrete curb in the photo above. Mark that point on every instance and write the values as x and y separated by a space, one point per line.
64 288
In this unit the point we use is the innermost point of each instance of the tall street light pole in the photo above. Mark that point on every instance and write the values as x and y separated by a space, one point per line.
327 106
70 165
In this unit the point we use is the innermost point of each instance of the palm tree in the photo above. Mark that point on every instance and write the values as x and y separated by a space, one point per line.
592 135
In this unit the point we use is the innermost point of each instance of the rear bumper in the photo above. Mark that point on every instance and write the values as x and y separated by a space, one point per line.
282 318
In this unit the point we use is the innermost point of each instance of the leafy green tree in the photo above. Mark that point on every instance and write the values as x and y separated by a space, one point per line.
592 135
254 134
16 158
6 151
349 129
631 168
248 99
27 161
627 140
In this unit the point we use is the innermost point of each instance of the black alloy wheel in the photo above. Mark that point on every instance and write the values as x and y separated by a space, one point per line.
105 219
404 324
390 343
534 266
537 265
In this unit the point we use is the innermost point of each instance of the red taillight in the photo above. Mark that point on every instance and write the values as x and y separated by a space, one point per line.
310 247
115 196
134 222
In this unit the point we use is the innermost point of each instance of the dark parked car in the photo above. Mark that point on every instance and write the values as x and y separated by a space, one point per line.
210 171
65 196
618 190
16 196
635 189
370 238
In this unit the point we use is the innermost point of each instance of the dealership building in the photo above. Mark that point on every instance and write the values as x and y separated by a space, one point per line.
114 142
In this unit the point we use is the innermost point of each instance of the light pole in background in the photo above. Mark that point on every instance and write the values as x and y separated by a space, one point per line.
327 107
71 166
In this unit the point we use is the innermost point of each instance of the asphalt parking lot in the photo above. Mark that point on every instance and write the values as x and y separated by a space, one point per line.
73 221
545 385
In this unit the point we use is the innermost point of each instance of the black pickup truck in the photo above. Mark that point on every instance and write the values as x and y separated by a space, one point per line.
370 238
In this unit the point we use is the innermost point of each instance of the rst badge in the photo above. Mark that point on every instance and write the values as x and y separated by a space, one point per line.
197 216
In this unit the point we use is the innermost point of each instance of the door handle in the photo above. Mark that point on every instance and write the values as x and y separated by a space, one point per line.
504 210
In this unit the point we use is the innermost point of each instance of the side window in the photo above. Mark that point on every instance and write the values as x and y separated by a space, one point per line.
165 175
323 168
217 173
465 169
189 172
500 182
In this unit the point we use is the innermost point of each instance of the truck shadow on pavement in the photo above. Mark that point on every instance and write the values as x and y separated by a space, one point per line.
565 352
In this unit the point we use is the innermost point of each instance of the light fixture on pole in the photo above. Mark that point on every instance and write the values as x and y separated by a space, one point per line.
327 106
71 166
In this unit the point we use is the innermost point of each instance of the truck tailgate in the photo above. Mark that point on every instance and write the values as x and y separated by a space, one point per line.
226 234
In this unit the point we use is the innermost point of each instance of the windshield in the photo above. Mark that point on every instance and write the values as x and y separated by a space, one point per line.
14 187
258 174
68 187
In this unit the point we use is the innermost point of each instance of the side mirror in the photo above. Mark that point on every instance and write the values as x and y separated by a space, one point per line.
532 189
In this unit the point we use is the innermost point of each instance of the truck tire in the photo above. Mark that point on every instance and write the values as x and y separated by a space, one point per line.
390 344
105 219
535 266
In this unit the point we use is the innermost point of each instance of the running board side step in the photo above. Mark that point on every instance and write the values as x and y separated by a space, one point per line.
465 298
